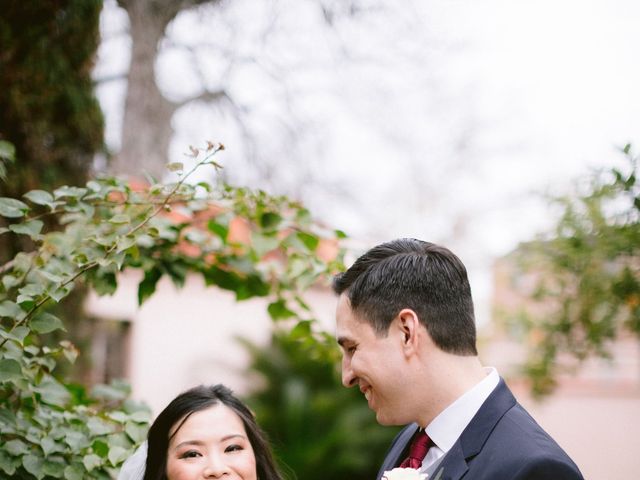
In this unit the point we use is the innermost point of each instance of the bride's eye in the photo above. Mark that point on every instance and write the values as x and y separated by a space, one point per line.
190 454
233 448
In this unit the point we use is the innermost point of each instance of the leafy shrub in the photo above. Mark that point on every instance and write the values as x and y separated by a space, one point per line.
586 272
51 428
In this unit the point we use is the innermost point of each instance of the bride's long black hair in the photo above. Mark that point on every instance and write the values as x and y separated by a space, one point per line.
194 400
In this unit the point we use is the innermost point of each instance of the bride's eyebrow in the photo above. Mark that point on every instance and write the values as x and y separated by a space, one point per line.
197 443
233 435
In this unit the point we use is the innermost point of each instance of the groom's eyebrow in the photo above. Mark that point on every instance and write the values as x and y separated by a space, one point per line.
343 340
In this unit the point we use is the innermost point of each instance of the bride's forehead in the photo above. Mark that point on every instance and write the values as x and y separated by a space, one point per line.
213 418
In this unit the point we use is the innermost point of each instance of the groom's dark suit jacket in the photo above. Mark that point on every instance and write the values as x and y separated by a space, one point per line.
502 442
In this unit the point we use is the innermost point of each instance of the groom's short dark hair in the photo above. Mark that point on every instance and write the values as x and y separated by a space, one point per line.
409 273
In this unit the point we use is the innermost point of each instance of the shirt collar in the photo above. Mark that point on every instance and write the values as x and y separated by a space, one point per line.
447 427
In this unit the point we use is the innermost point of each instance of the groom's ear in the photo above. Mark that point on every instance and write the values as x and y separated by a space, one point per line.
409 325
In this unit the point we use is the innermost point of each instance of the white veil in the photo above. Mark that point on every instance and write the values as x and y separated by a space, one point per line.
134 466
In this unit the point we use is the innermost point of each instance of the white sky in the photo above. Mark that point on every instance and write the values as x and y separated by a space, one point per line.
535 93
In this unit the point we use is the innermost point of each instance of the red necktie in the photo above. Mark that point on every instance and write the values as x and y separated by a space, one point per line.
419 448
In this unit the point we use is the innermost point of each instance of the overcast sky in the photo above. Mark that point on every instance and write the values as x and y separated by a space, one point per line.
459 112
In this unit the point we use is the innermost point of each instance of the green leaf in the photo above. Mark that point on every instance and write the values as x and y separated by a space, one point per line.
10 309
12 208
7 151
9 281
22 261
33 465
32 290
175 166
7 417
53 467
219 229
98 427
76 440
278 310
117 455
59 293
53 392
263 243
125 243
105 283
110 392
39 197
73 472
91 461
120 219
8 464
66 191
10 370
48 446
301 330
100 448
340 234
16 447
118 416
148 284
270 220
310 241
52 277
141 416
303 217
221 278
205 185
69 350
18 334
137 432
31 228
46 323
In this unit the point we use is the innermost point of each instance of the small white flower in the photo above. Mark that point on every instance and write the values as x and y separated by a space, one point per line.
404 474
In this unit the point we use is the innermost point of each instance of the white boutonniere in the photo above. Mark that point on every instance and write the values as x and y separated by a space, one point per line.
404 474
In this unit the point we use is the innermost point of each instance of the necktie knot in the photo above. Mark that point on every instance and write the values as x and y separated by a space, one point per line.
417 451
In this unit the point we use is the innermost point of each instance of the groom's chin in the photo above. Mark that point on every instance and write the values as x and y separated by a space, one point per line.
387 420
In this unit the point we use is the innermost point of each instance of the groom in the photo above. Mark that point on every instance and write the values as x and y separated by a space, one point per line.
406 328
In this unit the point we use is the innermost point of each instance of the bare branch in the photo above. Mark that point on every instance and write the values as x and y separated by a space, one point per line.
6 267
209 97
110 78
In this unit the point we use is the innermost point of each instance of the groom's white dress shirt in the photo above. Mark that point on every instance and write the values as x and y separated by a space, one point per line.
447 427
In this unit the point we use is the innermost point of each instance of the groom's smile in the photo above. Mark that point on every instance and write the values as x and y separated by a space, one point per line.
366 391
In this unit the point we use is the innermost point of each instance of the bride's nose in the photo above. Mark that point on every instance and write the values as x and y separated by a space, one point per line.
216 467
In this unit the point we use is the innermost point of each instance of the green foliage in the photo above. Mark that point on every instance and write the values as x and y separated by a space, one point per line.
48 110
319 429
587 275
51 428
7 155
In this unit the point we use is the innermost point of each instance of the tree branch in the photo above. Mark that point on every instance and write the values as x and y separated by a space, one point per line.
206 96
110 78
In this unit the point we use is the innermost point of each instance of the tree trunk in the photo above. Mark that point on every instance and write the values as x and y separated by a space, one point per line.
146 126
147 114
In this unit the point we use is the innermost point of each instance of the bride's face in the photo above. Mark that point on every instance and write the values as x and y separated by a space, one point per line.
211 443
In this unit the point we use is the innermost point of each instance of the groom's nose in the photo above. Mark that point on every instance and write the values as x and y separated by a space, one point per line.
348 377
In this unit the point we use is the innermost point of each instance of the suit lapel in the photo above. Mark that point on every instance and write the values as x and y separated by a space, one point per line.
454 465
